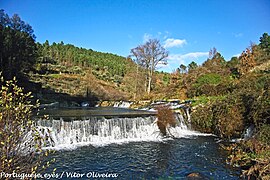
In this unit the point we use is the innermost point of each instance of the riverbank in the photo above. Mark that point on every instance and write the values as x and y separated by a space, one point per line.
230 117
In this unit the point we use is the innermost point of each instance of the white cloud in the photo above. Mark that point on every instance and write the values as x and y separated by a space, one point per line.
237 55
174 60
174 43
181 58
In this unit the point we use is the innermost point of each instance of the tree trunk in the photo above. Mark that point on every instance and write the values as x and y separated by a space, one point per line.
136 83
149 81
149 85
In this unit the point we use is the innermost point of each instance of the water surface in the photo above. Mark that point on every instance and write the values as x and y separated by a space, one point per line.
166 159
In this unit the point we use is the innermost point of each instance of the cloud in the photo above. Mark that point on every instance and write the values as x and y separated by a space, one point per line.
174 60
193 55
169 43
237 55
181 58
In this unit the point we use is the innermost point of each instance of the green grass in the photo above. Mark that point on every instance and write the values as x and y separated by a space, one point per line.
56 76
202 100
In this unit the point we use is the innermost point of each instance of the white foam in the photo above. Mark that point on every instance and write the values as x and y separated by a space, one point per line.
101 131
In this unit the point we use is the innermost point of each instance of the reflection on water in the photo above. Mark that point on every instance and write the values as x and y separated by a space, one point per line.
149 160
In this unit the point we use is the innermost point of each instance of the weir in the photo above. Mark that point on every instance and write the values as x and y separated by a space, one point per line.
101 129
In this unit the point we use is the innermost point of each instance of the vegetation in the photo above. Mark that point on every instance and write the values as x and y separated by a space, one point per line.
166 119
17 45
20 142
233 96
148 56
66 58
252 156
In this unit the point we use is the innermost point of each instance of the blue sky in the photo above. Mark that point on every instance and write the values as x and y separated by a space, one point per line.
187 28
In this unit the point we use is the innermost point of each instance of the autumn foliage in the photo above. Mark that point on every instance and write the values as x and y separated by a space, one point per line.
247 61
20 142
165 120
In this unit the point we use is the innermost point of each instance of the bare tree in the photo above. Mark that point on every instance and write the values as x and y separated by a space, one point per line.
212 53
148 56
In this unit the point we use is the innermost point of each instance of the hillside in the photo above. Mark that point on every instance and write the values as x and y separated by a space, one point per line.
78 72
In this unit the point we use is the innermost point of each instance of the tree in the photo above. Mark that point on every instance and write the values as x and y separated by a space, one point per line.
232 65
148 56
17 45
265 42
183 68
20 141
212 53
192 65
215 62
246 61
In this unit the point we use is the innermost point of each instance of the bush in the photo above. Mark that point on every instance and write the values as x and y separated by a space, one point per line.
264 134
252 156
211 84
249 103
202 119
228 119
222 116
20 143
210 78
165 120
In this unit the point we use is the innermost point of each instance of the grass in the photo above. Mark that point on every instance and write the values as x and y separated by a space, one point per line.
202 100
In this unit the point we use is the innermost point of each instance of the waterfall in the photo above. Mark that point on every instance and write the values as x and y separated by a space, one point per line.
96 130
101 131
249 132
122 104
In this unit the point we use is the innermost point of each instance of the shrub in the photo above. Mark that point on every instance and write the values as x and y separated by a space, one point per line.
228 120
252 156
165 120
211 84
264 134
20 143
222 116
210 78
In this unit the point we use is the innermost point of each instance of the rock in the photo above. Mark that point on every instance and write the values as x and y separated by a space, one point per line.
196 176
85 104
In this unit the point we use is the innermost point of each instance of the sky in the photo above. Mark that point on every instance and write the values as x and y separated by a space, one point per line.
188 29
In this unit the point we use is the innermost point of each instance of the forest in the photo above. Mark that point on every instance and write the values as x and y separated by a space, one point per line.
228 95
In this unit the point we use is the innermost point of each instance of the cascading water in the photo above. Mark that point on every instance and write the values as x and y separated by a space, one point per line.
151 156
96 131
101 131
122 104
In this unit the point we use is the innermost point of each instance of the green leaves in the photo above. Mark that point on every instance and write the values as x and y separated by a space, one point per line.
17 46
19 138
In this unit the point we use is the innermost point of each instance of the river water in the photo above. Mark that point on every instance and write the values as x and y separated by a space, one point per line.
130 148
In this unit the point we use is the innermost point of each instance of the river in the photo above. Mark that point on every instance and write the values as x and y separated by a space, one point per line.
130 148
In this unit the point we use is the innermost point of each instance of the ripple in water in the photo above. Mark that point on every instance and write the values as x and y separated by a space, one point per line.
149 160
